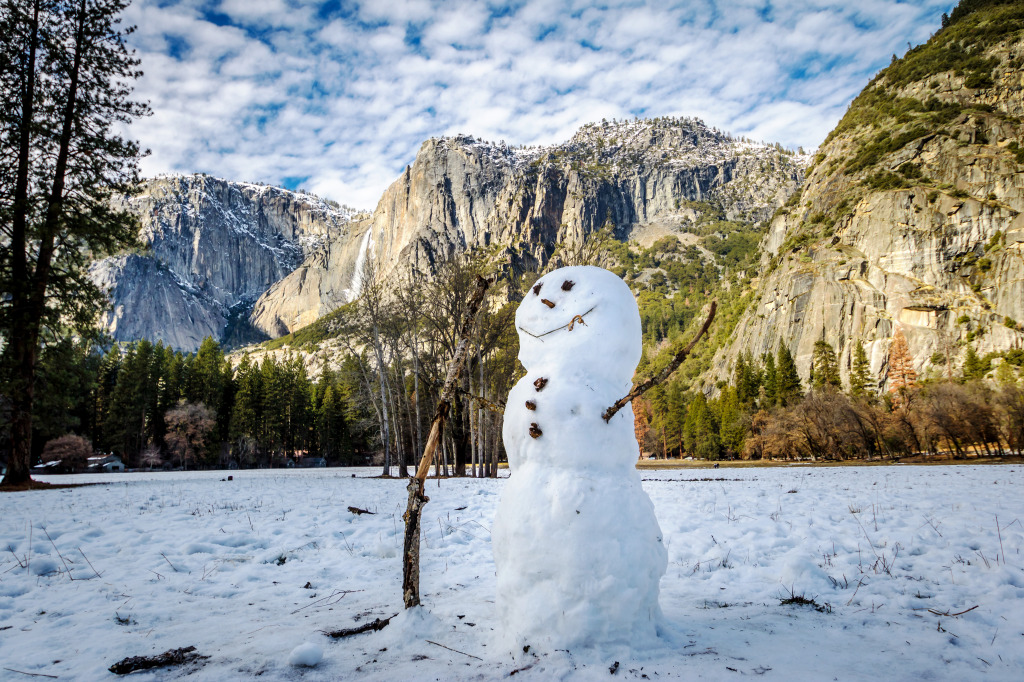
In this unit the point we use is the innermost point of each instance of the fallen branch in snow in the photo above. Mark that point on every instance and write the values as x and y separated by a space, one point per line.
414 510
455 650
952 615
357 511
378 624
652 381
166 659
337 596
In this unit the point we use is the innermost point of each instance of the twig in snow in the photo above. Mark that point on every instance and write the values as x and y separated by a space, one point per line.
22 672
22 563
455 650
1000 533
373 626
89 562
169 562
327 599
73 577
859 583
952 615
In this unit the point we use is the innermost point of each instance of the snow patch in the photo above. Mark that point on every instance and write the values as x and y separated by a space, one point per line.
307 655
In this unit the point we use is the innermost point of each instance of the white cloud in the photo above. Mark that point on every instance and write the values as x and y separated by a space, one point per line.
345 98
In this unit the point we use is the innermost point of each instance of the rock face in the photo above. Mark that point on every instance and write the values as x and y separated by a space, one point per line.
911 215
211 248
461 193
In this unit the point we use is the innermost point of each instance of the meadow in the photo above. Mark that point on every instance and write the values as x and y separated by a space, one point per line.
849 573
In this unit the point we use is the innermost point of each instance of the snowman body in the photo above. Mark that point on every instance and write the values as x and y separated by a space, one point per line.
577 548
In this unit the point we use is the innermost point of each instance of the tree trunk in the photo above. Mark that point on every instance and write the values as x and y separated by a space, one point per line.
480 416
416 391
460 436
28 300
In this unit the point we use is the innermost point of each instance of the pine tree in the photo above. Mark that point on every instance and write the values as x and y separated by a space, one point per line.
65 83
699 431
106 382
334 440
771 376
860 374
273 401
732 429
974 367
825 367
901 372
67 386
247 415
748 378
787 380
125 425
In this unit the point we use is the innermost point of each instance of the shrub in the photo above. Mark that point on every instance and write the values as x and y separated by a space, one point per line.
978 80
910 170
70 450
885 180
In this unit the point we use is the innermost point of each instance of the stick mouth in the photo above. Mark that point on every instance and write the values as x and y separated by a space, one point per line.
567 326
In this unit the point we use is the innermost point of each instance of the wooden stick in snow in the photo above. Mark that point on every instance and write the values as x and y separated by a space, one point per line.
414 509
641 388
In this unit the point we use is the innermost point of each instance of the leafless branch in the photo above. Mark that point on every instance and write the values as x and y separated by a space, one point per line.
641 388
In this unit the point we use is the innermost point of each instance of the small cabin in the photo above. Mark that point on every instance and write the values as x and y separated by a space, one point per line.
104 464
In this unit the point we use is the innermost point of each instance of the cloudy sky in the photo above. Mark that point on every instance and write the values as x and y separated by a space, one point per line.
336 97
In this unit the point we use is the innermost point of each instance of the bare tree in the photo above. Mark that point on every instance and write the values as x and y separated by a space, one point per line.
150 456
372 304
71 450
189 426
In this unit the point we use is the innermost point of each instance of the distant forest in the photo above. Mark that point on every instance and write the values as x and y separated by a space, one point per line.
380 361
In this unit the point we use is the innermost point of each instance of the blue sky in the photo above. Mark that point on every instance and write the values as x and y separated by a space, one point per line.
336 97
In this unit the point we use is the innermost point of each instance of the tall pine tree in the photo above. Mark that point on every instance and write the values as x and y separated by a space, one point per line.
824 366
861 383
700 433
65 87
787 380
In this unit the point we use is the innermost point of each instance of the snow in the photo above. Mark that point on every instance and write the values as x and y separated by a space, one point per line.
307 654
187 558
577 547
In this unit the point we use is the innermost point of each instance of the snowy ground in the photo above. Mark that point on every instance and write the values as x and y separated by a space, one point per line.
248 570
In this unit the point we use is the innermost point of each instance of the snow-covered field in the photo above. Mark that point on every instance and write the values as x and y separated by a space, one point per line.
250 569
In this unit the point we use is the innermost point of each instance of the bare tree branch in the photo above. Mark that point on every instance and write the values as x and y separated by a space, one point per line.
641 388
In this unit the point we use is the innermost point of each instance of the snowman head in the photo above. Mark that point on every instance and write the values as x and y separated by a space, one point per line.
580 318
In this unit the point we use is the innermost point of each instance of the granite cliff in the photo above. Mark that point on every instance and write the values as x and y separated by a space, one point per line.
210 248
911 213
460 193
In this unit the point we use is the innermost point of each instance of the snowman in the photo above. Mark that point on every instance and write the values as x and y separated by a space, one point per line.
577 548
